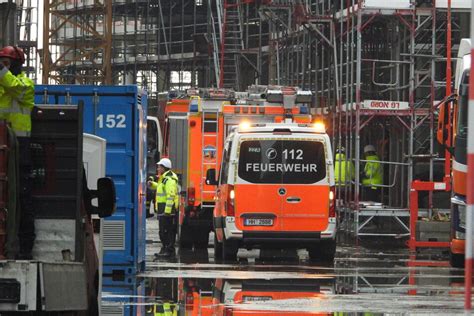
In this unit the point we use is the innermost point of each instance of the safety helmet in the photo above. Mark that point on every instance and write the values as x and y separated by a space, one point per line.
165 162
13 52
369 148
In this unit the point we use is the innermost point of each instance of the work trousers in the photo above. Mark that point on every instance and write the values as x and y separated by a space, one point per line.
167 227
372 194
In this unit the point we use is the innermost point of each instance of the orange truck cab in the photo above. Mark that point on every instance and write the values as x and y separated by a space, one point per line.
275 190
459 161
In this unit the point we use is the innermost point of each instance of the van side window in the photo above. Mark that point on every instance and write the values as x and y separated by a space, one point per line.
225 164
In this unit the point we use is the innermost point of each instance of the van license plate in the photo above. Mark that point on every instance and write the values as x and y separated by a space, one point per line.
256 298
258 222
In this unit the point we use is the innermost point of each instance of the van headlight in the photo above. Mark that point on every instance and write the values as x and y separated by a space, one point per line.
462 215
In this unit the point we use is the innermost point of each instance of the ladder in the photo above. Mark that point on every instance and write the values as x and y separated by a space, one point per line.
210 138
231 45
27 28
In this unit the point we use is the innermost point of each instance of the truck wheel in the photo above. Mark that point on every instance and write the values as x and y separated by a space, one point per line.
218 250
324 251
185 237
456 260
230 249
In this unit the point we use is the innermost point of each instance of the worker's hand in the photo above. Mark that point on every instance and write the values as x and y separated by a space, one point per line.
149 183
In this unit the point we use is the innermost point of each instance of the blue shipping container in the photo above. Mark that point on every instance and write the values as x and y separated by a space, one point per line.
117 114
129 300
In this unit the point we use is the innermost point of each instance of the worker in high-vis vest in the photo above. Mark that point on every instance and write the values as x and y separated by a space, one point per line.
343 169
372 175
165 309
344 172
16 102
167 200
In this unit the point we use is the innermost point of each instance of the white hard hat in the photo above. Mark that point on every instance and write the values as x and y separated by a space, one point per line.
165 162
369 148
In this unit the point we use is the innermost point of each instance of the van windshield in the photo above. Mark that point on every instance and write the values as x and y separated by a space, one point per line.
282 161
462 106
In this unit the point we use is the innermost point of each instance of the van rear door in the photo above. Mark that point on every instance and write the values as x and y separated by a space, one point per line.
305 204
285 178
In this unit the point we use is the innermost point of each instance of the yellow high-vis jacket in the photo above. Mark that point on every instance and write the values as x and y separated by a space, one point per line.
373 174
166 191
17 95
344 170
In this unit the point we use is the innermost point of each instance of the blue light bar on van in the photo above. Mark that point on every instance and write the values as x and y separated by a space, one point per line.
304 110
194 105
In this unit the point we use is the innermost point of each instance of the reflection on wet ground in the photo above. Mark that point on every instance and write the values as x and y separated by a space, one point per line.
375 277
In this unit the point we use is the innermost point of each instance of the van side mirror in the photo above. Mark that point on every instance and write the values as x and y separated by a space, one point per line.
106 197
445 112
464 89
211 177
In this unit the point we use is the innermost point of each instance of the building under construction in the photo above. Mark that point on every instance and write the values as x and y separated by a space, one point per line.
358 57
154 79
378 69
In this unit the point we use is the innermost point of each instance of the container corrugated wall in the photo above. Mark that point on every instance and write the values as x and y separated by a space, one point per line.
118 114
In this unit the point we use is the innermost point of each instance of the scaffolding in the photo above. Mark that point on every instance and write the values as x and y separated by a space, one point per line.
27 32
392 61
123 42
77 42
19 26
377 70
7 23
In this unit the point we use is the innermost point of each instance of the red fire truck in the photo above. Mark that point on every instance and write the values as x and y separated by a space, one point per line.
196 126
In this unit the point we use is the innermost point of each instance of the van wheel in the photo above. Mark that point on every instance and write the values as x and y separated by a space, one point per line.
230 249
456 260
218 249
324 251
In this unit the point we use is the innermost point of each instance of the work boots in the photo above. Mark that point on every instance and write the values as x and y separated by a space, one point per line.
167 253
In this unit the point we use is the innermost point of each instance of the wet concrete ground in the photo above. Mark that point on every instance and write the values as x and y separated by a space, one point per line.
377 276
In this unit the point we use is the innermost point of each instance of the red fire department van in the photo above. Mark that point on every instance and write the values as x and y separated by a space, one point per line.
275 189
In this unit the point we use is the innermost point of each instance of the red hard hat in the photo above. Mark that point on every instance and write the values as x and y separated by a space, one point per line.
13 52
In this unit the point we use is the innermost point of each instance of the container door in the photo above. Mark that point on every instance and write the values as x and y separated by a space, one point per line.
141 174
